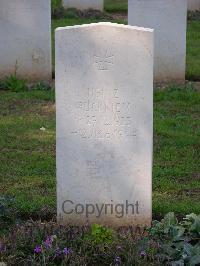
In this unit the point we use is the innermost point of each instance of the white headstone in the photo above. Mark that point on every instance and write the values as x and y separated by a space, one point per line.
104 101
84 4
25 39
193 5
168 18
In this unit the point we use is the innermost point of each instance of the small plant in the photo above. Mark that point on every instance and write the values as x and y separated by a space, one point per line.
8 214
50 251
192 224
101 235
14 84
41 86
57 10
179 242
194 15
72 13
1 85
55 4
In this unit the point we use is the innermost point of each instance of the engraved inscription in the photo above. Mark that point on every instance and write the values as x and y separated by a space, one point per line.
93 168
38 56
98 118
96 166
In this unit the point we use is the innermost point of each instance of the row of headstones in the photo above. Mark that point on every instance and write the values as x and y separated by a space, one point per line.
25 30
104 100
99 4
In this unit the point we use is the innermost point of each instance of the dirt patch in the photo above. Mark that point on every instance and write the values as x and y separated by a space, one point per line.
193 193
196 85
47 109
120 16
193 177
23 107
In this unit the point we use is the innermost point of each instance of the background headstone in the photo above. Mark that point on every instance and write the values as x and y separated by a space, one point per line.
25 39
193 5
84 4
104 101
168 18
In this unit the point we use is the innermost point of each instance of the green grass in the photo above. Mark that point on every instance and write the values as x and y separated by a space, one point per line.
27 154
55 4
193 50
109 5
176 182
27 159
116 5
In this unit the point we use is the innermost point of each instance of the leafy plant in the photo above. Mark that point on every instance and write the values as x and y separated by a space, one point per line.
1 85
192 224
14 84
179 242
163 227
41 86
55 4
194 15
72 13
101 235
8 214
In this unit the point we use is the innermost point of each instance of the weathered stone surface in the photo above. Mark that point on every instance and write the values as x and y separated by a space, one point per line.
193 5
104 101
168 19
25 39
84 4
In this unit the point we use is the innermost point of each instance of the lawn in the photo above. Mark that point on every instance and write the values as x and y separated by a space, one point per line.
27 153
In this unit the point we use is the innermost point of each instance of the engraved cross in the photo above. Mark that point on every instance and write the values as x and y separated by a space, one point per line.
104 61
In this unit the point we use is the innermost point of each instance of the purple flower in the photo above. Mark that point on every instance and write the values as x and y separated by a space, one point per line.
48 242
143 253
117 260
119 248
58 252
67 251
2 247
38 249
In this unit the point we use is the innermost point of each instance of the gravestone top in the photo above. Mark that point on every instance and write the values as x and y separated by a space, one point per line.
108 24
